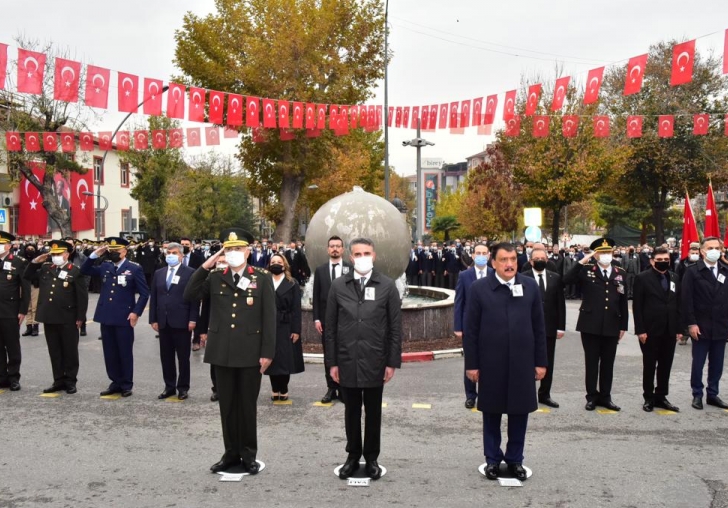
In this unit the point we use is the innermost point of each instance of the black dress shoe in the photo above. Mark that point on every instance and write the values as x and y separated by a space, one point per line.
608 404
517 471
717 402
373 470
697 403
252 468
330 394
491 471
648 406
214 397
14 386
182 395
469 403
548 401
126 393
108 392
665 404
54 389
166 394
71 389
224 464
590 405
83 332
349 468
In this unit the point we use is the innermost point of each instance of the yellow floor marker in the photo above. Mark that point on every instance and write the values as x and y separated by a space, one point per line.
288 402
2 391
173 399
475 410
543 410
318 403
606 411
418 405
665 412
114 396
384 404
50 395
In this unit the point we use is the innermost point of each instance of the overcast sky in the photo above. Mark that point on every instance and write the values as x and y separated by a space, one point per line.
444 51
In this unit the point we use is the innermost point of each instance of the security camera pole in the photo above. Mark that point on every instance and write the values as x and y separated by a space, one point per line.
418 143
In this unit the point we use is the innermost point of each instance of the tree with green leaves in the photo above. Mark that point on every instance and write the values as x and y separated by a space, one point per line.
319 51
445 224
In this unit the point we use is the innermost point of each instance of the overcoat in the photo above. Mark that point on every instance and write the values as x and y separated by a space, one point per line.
705 300
289 355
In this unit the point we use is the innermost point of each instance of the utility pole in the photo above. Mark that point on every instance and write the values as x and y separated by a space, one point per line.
418 143
386 101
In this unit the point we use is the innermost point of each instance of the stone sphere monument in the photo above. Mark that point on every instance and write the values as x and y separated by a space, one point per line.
361 214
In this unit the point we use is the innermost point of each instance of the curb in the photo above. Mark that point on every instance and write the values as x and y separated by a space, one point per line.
420 356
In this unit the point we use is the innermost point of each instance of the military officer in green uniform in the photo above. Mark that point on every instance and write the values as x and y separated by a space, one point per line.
241 341
62 305
14 301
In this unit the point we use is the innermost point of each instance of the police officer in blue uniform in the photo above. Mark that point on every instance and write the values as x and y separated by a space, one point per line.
118 310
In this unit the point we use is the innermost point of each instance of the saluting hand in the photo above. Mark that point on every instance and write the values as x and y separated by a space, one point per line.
100 251
212 260
586 258
41 259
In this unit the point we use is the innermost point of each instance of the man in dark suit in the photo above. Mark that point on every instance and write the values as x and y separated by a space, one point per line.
325 274
15 291
173 318
479 270
298 263
413 267
657 325
438 265
190 257
259 258
505 349
241 342
427 267
603 319
554 310
705 313
62 304
452 266
118 311
149 256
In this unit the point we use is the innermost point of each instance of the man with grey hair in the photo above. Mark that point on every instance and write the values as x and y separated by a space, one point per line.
363 347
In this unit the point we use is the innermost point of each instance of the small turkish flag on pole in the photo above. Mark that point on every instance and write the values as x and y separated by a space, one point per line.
235 110
141 140
31 67
128 93
601 126
689 230
193 136
216 102
666 126
3 64
682 63
534 94
569 125
197 105
711 215
283 110
87 141
593 84
152 97
12 141
634 126
560 89
513 126
635 74
67 77
701 123
176 101
97 87
32 142
50 141
509 107
541 126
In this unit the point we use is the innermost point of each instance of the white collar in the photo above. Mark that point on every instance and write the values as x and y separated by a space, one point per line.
510 282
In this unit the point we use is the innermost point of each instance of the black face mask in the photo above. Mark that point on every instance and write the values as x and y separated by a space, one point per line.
276 269
539 265
115 257
662 266
186 249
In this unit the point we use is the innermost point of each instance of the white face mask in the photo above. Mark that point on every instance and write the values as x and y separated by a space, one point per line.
694 257
58 260
363 264
605 259
712 255
235 258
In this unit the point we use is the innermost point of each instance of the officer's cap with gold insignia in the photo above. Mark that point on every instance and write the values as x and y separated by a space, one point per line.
236 237
603 245
116 243
59 247
6 237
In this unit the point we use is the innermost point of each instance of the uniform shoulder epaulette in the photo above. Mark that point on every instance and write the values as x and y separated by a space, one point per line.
620 269
20 257
217 269
259 269
133 263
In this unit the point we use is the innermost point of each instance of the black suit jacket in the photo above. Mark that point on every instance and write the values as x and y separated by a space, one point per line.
705 301
656 311
169 308
321 287
604 308
554 302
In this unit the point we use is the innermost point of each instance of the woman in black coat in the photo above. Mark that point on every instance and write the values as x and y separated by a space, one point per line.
289 352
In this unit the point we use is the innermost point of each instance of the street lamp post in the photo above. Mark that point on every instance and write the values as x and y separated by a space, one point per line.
386 101
418 143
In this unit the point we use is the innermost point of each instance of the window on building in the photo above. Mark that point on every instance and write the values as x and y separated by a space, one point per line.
98 171
69 156
100 226
13 219
124 174
126 220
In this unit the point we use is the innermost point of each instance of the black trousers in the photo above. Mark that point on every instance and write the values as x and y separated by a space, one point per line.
238 389
62 340
599 354
544 389
372 400
9 350
657 355
452 279
175 342
279 383
330 383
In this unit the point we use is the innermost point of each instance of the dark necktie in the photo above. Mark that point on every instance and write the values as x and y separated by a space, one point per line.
605 275
236 278
363 283
713 270
663 280
170 275
542 286
333 271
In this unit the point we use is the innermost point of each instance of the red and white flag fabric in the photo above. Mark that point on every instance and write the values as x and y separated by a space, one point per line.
128 90
32 142
68 142
269 114
159 139
283 114
66 80
477 119
433 117
212 136
229 133
701 124
12 141
50 141
258 135
152 97
105 140
398 117
196 105
454 115
235 110
541 126
343 123
415 116
513 126
725 65
86 141
689 230
390 115
354 117
711 215
3 64
215 112
175 138
333 117
321 116
298 115
122 141
593 85
33 218
31 68
141 140
634 126
635 74
310 115
97 87
425 118
82 206
683 56
560 89
569 126
491 103
509 105
465 114
665 126
287 134
379 115
443 117
193 136
405 116
601 126
534 94
176 101
252 112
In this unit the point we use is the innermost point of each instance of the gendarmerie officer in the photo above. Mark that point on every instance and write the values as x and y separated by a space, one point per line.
62 304
241 341
14 301
603 319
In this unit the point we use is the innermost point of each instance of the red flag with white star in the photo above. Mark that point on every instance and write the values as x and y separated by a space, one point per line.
509 106
122 141
269 114
196 105
454 115
398 117
141 140
215 112
513 126
601 126
159 139
405 116
390 115
711 215
66 80
152 97
128 90
534 94
465 114
443 117
491 103
87 141
560 89
477 119
252 112
683 56
193 136
283 114
433 117
569 126
690 229
33 218
415 117
12 141
321 116
541 126
298 115
701 123
634 126
212 136
50 141
665 126
593 84
82 206
97 87
310 115
31 67
3 64
105 140
32 142
68 142
235 110
176 101
175 138
635 73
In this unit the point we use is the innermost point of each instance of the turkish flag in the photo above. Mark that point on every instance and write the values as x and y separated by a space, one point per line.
635 73
176 137
311 115
31 67
378 115
443 116
725 125
701 123
569 125
152 97
513 126
128 93
234 109
390 115
269 114
159 139
212 136
354 117
141 140
216 101
3 64
541 126
68 142
252 112
197 105
105 140
465 114
485 130
477 119
491 103
560 89
193 136
32 142
298 109
258 135
12 141
287 134
425 122
333 117
50 141
122 141
689 229
398 117
283 114
33 218
682 63
665 126
593 84
725 64
321 116
343 123
534 94
509 108
67 78
433 116
711 215
176 101
87 141
634 126
405 116
415 117
82 206
97 87
313 133
229 133
454 116
601 126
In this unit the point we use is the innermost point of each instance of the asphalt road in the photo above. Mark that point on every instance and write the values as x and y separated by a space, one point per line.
81 451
